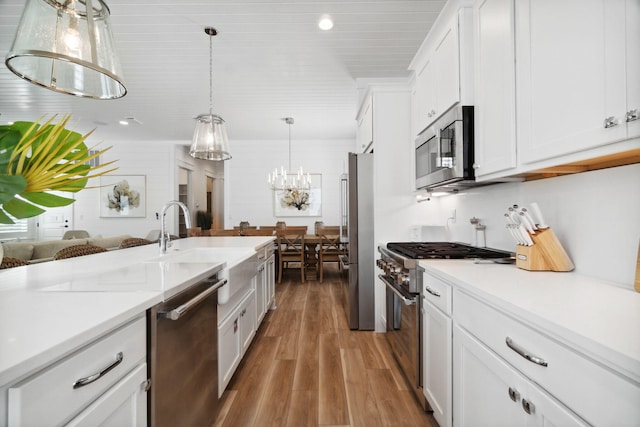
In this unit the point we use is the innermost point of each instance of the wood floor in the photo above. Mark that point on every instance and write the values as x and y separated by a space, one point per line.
306 368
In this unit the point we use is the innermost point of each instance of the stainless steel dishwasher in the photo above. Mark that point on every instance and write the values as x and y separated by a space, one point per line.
183 357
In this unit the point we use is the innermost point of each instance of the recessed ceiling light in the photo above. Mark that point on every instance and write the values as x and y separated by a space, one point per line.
123 122
325 23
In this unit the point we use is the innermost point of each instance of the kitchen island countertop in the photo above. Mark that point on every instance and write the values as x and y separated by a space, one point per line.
49 310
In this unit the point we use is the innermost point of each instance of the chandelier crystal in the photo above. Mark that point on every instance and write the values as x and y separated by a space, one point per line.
210 140
67 46
285 179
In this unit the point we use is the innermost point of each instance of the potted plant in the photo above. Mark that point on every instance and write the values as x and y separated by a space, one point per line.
36 159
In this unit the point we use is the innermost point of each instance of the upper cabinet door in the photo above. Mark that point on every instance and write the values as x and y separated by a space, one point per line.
633 67
447 62
571 86
495 133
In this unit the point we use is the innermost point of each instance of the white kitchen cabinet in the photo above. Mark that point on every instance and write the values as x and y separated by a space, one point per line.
495 109
265 282
97 379
124 404
270 266
364 134
488 391
235 334
441 68
571 68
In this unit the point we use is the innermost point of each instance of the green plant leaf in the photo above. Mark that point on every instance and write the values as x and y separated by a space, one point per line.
21 209
4 218
10 185
46 199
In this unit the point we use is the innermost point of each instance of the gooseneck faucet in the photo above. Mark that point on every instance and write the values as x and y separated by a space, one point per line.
164 238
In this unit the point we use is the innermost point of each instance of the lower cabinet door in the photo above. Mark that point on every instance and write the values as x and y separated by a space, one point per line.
490 392
123 405
437 375
228 350
248 321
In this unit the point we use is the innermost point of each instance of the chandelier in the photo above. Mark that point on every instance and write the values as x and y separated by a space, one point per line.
284 179
210 135
67 46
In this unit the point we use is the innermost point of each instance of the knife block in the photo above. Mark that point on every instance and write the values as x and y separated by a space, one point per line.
546 254
531 258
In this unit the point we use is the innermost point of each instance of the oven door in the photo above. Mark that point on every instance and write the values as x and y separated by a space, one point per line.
403 332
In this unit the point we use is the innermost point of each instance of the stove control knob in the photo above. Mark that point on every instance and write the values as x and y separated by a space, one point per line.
405 280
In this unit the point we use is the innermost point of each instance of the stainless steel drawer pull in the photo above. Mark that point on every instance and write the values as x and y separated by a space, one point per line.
183 309
610 122
513 394
432 292
524 353
91 378
632 115
528 407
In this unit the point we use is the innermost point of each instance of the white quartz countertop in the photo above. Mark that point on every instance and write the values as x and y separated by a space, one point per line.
50 309
595 317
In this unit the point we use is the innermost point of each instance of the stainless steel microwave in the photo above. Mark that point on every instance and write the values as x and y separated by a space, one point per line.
444 151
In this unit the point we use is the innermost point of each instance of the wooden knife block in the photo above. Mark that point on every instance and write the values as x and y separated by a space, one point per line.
547 253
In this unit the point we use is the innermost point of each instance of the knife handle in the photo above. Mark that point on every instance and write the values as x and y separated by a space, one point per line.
538 215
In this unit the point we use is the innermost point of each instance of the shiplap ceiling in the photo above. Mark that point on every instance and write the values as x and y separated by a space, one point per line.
270 61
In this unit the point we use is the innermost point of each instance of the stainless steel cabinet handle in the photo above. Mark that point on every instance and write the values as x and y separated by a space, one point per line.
431 291
632 115
528 407
91 378
524 353
610 122
513 394
183 309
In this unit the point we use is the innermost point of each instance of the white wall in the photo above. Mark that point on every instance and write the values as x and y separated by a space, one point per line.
251 199
596 216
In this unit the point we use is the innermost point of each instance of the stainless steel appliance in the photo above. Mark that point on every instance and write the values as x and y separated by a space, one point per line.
444 152
357 233
403 279
183 357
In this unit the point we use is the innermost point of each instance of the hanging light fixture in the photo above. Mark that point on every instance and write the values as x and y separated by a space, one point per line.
67 46
284 179
210 136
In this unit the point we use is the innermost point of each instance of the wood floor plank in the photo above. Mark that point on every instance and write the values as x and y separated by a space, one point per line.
274 405
307 367
303 410
332 405
361 399
373 358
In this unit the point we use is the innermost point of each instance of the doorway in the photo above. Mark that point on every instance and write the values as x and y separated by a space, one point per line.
215 201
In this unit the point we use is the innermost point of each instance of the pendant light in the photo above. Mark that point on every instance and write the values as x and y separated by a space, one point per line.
285 179
67 46
210 136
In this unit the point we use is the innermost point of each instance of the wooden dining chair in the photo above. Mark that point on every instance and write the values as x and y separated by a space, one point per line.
194 231
330 251
291 250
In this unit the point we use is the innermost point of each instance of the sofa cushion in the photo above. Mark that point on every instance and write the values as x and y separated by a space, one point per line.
107 242
47 248
20 250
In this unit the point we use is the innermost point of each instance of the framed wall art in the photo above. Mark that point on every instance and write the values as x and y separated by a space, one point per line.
300 202
123 196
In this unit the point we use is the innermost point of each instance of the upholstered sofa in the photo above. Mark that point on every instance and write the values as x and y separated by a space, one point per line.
33 252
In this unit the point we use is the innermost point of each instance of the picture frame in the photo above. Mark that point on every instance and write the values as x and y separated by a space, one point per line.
123 196
287 204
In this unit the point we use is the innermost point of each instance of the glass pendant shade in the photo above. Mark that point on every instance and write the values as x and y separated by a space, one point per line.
67 46
210 138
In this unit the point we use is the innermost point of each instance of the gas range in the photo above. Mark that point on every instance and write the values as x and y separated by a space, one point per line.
399 260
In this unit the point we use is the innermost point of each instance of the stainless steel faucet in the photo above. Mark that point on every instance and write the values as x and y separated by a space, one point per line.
164 238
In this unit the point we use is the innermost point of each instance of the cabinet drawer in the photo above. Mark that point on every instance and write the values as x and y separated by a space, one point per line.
437 292
580 383
49 397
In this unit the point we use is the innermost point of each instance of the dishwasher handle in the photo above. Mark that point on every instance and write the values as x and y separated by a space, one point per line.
183 309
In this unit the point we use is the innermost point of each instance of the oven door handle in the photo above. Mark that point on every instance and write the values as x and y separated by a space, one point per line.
408 299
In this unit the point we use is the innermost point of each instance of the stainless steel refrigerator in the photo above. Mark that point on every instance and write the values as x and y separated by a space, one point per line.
357 233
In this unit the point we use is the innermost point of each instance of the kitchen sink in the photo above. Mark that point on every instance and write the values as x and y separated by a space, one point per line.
204 255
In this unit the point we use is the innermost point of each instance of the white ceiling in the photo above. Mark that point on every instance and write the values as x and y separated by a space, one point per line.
270 61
